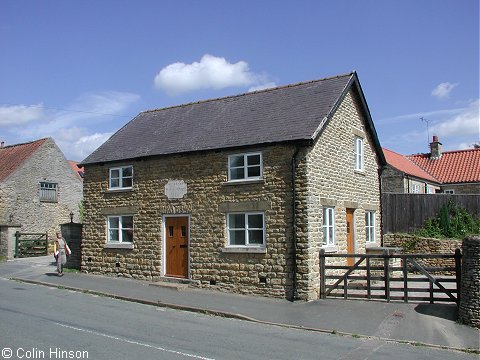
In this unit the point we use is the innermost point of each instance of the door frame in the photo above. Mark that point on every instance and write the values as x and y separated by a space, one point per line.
164 242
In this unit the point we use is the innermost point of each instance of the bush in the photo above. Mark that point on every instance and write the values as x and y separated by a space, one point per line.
452 221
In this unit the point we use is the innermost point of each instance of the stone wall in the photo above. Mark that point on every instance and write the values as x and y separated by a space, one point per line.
327 178
7 240
412 244
209 197
72 233
469 308
20 192
466 188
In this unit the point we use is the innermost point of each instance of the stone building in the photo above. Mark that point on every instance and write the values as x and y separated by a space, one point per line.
38 188
403 176
449 172
238 193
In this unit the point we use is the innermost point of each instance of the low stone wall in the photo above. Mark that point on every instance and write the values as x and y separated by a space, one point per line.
412 244
469 308
7 240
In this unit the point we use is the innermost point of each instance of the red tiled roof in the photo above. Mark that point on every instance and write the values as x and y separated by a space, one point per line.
460 166
402 163
75 168
12 156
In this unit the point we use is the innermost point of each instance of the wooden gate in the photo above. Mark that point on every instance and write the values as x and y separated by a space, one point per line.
31 244
391 277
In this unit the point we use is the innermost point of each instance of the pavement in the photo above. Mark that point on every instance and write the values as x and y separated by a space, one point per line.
419 324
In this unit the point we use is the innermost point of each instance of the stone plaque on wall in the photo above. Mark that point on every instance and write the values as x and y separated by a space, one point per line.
175 189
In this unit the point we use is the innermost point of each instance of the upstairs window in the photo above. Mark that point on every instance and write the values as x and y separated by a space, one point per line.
370 226
48 191
246 229
120 229
358 153
121 177
245 167
328 226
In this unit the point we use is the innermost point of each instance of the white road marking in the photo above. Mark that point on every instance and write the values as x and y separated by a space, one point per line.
134 342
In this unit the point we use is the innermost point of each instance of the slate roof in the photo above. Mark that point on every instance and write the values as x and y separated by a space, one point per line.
405 165
13 156
287 113
460 166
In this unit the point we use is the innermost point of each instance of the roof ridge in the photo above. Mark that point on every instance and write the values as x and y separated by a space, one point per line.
249 93
444 152
25 143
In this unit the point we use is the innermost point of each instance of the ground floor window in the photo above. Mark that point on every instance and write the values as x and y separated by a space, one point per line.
246 229
370 226
328 226
120 229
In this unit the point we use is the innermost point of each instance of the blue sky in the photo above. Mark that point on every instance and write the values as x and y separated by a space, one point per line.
79 70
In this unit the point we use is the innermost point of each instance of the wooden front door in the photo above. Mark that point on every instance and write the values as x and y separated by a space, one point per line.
350 237
176 246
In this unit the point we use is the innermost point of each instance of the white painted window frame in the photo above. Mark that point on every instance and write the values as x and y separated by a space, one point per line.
245 167
370 228
328 226
120 178
358 152
247 243
119 229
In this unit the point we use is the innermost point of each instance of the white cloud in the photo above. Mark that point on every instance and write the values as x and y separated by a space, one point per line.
210 72
467 123
19 114
443 90
79 129
79 148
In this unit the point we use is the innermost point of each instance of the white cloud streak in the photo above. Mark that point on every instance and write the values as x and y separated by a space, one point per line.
78 130
443 90
210 72
467 123
20 114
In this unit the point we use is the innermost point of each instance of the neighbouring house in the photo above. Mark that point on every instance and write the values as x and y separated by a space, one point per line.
402 175
38 189
448 172
238 193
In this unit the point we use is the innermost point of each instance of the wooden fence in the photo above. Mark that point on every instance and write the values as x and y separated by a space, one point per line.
406 213
31 244
390 277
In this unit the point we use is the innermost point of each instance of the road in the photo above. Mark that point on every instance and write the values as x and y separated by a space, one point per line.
45 323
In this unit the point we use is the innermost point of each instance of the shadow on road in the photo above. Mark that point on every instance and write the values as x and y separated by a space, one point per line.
444 311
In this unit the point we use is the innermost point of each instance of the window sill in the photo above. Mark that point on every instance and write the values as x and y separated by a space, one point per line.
110 191
244 250
128 246
49 201
330 249
359 172
371 245
243 182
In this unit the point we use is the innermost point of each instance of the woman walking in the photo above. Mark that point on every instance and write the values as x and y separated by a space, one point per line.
60 250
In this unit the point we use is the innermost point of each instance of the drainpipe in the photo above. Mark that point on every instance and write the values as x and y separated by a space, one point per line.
294 226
